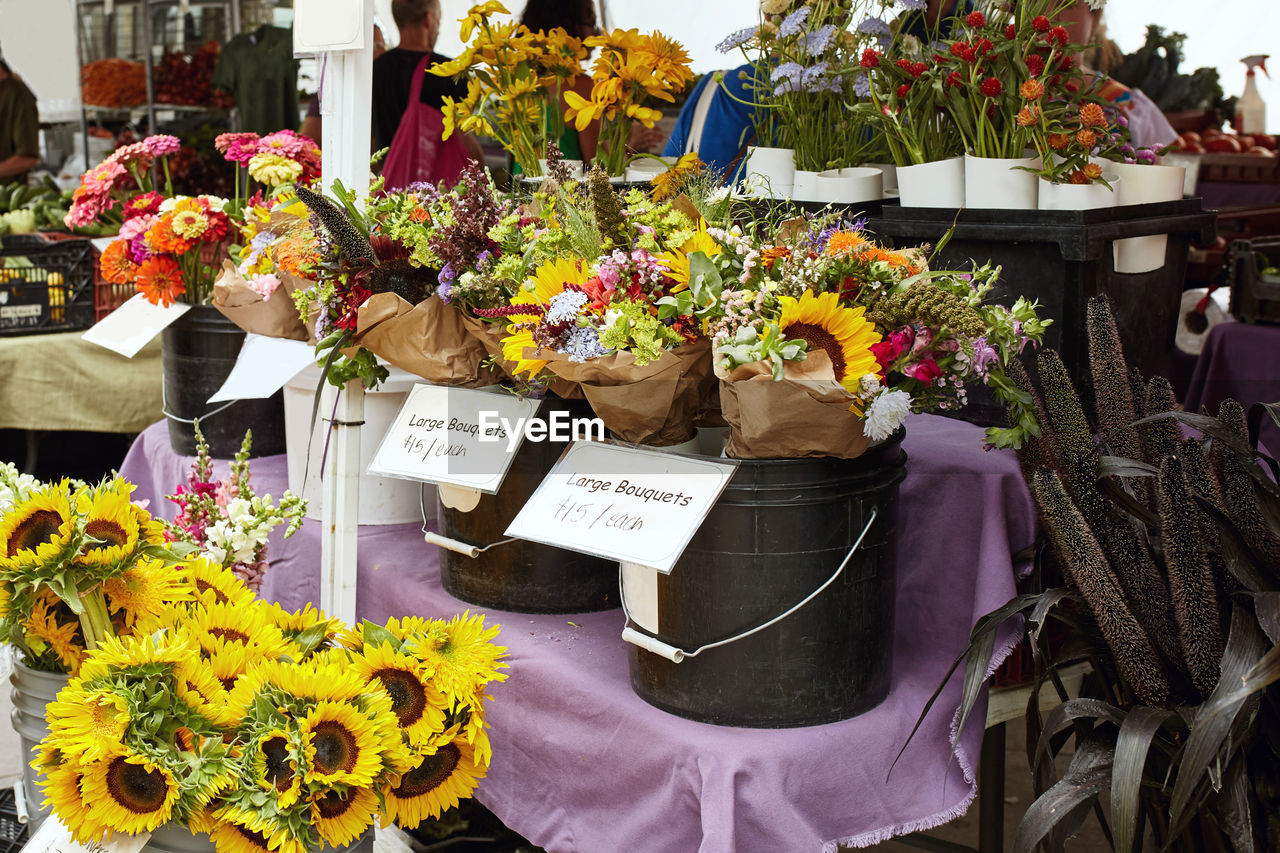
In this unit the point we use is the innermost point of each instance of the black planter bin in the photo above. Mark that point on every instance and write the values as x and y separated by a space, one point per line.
1063 258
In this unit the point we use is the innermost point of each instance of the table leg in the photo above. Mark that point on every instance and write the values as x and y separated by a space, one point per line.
33 452
991 790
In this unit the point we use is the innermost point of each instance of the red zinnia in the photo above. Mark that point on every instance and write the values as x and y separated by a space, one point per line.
1041 24
975 19
1010 32
903 90
991 87
870 59
160 280
1035 64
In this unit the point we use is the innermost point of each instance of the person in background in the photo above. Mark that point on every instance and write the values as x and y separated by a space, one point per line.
312 126
419 24
19 128
714 124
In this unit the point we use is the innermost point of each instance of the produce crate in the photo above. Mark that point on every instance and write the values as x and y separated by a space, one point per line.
1240 168
1255 295
46 284
1063 258
13 835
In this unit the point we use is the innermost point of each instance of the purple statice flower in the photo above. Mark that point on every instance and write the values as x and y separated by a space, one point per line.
984 356
564 307
483 259
737 39
874 26
912 5
792 24
787 77
582 343
261 241
445 291
817 42
862 86
447 274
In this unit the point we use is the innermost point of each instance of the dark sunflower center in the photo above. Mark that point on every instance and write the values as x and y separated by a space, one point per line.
258 841
35 530
136 788
279 771
333 804
108 531
229 634
336 748
408 699
820 338
430 774
204 586
228 682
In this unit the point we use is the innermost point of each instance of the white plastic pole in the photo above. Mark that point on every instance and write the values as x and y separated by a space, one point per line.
347 87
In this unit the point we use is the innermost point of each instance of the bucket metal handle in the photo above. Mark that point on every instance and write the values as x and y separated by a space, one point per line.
164 409
466 549
675 654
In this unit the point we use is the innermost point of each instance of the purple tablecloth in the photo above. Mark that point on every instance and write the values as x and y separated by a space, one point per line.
581 764
1240 361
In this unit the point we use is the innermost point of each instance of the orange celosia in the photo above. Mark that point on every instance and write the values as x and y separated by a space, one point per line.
1058 141
160 280
1092 171
1031 90
1028 116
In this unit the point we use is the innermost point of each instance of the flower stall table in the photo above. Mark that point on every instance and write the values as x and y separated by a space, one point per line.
582 764
59 381
1240 361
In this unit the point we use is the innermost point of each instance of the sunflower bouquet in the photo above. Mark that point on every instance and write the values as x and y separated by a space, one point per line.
80 564
225 519
824 341
515 80
270 731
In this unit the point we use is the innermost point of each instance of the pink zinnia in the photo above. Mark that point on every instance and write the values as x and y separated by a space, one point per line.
162 144
284 142
134 152
242 151
135 226
99 181
225 140
264 284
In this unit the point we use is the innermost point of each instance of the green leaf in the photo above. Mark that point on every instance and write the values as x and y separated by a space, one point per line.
1133 743
311 638
1118 466
1232 807
704 278
1113 489
376 635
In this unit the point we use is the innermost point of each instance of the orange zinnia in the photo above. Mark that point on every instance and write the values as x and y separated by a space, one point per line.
162 238
841 242
115 264
160 280
773 254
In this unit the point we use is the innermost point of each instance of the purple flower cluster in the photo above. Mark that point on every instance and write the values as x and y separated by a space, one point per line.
874 26
793 23
817 42
737 39
583 343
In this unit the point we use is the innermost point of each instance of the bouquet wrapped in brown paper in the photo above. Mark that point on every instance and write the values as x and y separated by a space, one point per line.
274 315
805 413
653 403
429 339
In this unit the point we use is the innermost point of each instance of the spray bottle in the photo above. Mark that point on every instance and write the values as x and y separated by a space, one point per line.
1251 112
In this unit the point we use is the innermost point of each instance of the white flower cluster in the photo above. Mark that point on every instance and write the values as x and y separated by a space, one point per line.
15 486
241 537
886 410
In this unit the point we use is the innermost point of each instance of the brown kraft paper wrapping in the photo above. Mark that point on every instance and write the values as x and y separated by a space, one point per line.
274 317
804 414
654 404
427 339
490 336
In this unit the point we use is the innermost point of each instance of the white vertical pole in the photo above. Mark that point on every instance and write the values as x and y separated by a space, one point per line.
345 106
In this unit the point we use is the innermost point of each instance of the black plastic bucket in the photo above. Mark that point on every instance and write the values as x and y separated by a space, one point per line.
523 576
199 350
780 530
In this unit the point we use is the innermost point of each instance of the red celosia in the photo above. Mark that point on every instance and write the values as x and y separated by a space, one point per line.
992 87
975 19
958 48
1060 33
904 64
1010 32
1041 24
953 79
1035 64
904 90
870 59
984 46
1065 63
918 68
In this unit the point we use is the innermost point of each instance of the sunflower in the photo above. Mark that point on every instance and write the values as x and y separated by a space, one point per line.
214 583
198 685
129 792
343 817
110 525
341 745
160 280
116 653
37 529
844 334
435 784
547 282
228 663
52 623
274 759
415 700
217 625
61 781
677 260
246 831
461 655
88 723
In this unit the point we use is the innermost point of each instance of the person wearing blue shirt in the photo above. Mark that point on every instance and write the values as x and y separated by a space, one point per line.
721 141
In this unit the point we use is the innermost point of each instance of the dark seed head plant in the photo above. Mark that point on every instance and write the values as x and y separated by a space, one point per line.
1169 547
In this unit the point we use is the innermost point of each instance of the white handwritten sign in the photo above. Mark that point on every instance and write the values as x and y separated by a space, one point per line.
456 436
133 325
623 503
54 837
263 367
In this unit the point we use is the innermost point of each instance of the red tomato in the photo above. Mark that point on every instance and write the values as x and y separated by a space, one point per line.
1194 148
1191 136
1210 133
1261 152
1265 140
1247 141
1222 145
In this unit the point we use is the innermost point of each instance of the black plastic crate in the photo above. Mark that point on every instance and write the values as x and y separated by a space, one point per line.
1255 296
1063 258
13 835
46 284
